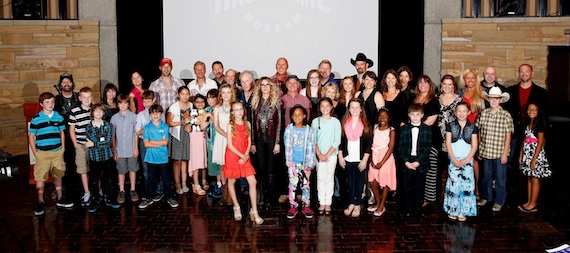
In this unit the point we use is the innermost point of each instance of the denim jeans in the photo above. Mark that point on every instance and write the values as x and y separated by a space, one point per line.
355 182
153 171
142 153
494 169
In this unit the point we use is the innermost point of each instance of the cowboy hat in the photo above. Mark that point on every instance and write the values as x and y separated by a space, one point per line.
362 57
495 92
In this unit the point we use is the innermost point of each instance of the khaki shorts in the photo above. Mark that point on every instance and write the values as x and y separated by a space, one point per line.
49 162
82 159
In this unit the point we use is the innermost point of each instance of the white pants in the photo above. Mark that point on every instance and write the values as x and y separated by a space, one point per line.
325 180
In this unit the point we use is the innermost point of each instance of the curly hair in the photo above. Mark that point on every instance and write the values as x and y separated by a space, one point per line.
273 93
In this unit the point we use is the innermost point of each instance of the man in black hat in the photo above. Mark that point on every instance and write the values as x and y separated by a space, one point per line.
64 101
361 63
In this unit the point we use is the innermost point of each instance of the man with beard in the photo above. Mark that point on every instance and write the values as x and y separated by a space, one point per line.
325 68
64 101
166 86
218 71
361 63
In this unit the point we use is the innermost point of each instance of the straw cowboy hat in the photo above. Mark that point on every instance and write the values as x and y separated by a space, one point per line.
496 92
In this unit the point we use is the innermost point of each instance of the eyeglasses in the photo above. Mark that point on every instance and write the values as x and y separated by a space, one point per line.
264 84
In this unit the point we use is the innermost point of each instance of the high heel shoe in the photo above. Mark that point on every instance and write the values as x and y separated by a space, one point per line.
258 220
237 216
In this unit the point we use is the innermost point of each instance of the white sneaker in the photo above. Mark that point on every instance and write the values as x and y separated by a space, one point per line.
86 199
497 208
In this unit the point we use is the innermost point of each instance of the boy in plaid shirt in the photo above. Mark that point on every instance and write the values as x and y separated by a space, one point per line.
101 163
495 129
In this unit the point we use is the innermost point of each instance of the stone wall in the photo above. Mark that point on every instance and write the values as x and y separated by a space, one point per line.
504 43
33 53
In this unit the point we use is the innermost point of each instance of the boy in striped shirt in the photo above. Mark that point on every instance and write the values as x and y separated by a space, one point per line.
78 121
47 140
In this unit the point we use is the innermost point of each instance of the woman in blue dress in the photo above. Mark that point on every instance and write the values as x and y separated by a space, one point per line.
461 141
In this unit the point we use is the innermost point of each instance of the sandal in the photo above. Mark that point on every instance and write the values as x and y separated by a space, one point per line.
532 210
198 190
356 212
205 185
258 220
321 209
237 216
461 218
327 210
348 210
451 217
380 213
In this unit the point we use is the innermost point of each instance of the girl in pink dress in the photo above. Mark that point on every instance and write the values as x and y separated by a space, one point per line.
382 172
198 158
237 162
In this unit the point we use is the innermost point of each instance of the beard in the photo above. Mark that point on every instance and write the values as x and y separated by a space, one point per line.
66 88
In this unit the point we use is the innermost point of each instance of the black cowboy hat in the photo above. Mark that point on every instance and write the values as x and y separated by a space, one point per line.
362 57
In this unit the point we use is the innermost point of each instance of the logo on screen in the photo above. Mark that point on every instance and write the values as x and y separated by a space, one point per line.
273 27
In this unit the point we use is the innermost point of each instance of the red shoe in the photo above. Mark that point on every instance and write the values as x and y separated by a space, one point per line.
308 212
292 213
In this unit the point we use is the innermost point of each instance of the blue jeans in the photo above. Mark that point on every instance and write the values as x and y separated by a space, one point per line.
161 169
355 182
494 169
142 153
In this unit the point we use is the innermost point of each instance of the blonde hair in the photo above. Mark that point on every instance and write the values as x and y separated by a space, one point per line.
327 86
477 101
233 98
273 93
232 122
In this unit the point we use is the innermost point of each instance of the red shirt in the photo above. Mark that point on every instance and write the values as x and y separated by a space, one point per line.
523 97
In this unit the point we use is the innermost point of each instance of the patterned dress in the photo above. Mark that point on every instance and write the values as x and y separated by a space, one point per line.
460 186
530 143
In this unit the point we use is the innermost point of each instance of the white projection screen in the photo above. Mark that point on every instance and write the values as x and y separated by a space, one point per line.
253 34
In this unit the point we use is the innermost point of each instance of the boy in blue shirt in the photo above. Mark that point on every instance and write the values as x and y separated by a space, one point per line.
125 147
155 139
47 142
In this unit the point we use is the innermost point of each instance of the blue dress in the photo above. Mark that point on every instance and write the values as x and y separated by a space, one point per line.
460 187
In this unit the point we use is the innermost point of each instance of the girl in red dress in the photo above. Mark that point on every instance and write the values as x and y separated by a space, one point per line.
237 162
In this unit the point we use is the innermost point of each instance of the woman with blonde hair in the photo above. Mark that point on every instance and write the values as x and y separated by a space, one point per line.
330 90
472 93
266 127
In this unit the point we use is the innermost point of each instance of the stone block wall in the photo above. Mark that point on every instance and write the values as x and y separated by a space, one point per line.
33 53
504 43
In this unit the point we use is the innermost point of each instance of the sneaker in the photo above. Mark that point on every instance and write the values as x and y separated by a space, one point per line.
145 203
63 202
481 202
112 204
497 207
172 202
158 197
216 192
308 212
86 199
134 196
39 210
292 213
121 197
93 206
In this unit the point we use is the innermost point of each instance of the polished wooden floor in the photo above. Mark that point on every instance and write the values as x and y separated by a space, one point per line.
200 225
